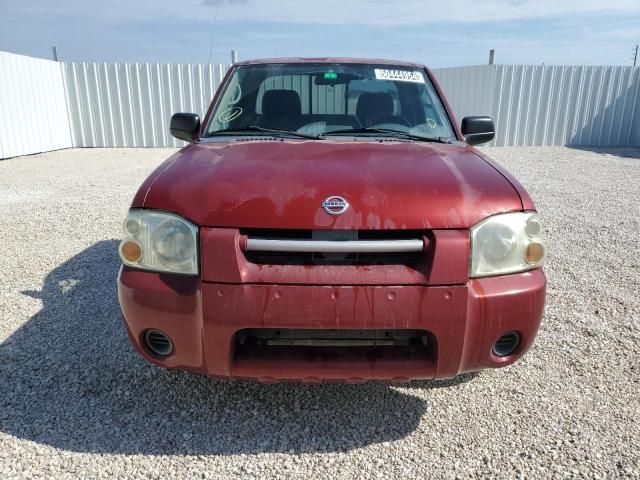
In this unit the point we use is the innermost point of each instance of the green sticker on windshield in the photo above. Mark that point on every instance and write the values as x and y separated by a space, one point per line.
330 76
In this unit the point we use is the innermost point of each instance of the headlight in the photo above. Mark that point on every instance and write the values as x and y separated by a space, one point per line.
159 241
506 243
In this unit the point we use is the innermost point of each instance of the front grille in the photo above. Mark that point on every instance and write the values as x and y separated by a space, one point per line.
297 234
331 337
304 258
332 344
412 259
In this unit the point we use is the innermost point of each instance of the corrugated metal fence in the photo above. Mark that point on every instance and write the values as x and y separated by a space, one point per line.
47 105
130 104
550 105
33 107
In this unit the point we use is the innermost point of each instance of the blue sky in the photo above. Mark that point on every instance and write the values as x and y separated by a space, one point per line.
438 33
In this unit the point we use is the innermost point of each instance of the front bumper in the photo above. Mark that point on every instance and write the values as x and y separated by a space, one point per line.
202 319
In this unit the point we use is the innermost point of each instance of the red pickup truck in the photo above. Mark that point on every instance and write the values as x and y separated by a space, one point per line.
330 221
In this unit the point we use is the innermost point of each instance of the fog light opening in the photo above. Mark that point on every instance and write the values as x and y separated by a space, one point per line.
158 343
506 344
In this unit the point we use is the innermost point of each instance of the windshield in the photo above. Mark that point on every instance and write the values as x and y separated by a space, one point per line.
313 99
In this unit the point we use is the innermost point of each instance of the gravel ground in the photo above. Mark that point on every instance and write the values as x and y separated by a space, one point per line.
76 401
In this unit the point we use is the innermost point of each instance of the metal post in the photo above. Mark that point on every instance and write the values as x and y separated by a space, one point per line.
234 56
492 54
55 54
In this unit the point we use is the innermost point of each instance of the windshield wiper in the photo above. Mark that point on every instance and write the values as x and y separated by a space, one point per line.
273 131
389 131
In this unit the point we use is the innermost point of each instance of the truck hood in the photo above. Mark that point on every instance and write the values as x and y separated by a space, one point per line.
282 183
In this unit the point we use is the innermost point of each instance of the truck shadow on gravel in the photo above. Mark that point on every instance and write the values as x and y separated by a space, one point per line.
70 379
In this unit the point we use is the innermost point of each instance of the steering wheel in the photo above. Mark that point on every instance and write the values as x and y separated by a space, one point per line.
387 118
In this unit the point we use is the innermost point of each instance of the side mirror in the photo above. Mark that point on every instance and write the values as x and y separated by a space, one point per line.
185 126
477 130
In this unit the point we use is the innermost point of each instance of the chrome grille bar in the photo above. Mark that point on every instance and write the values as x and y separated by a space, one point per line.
335 246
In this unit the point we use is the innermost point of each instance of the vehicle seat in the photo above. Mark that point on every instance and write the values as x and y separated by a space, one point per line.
373 108
281 110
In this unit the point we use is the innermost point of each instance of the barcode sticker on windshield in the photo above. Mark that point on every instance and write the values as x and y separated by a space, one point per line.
399 75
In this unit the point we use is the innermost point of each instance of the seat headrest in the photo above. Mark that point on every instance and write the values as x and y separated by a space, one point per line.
370 104
281 102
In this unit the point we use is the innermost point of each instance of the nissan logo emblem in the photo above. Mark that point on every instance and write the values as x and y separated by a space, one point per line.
335 205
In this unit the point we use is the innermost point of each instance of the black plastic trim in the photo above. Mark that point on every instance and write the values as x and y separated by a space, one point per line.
185 126
478 129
